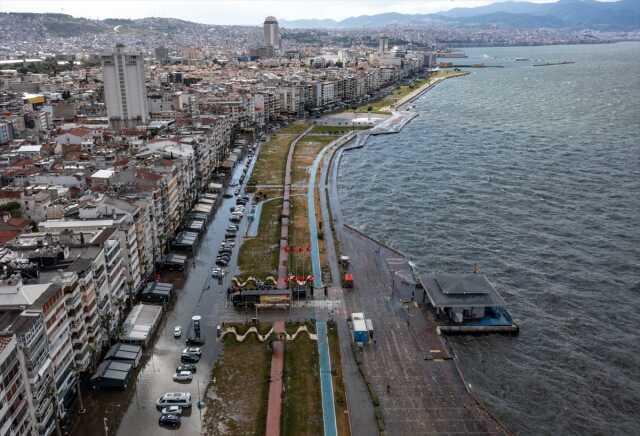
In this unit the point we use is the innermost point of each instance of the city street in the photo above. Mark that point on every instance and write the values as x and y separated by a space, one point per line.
200 295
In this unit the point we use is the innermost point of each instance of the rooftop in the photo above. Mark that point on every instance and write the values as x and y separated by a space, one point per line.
461 290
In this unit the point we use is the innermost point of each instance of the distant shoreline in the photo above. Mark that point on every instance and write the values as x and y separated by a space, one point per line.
473 45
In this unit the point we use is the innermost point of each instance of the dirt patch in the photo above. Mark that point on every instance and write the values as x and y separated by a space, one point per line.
236 399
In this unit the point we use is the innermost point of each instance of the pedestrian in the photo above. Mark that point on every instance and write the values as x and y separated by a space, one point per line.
388 388
326 291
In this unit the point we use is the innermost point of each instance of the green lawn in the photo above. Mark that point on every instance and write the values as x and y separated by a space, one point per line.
269 169
302 407
337 130
296 128
259 256
304 154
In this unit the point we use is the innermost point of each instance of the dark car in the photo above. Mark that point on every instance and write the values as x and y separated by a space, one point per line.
189 358
169 420
187 367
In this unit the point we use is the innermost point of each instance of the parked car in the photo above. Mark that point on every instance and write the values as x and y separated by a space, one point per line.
182 399
218 273
187 367
183 376
177 331
171 410
229 244
189 358
192 350
169 420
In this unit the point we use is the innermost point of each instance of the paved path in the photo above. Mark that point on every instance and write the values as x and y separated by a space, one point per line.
326 382
283 258
274 409
409 367
313 222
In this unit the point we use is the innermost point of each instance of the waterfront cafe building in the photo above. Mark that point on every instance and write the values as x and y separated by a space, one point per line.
462 298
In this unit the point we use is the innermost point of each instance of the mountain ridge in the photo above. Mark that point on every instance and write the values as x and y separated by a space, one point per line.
619 15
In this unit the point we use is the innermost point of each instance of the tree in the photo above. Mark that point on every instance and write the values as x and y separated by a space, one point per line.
13 208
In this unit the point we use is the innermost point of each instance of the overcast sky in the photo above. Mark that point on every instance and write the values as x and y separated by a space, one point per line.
234 11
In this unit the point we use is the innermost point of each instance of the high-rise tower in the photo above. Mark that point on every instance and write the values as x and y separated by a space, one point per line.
125 93
271 33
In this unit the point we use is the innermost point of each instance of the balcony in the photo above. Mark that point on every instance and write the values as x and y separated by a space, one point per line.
80 338
43 411
88 299
84 359
73 301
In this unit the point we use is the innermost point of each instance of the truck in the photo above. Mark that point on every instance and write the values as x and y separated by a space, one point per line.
195 335
359 328
261 298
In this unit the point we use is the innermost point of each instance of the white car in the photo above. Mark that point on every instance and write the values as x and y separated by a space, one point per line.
218 273
192 350
173 410
183 376
182 399
177 331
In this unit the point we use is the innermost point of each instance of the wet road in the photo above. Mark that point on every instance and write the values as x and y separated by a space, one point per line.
201 295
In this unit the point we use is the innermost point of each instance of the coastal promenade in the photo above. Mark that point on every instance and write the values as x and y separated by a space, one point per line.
417 385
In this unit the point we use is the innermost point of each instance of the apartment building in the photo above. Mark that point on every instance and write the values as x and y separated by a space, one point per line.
14 408
35 361
48 300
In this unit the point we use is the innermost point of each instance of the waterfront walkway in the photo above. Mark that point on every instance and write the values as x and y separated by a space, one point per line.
420 389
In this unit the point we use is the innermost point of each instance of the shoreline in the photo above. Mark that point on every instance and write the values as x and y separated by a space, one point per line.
425 88
341 227
338 224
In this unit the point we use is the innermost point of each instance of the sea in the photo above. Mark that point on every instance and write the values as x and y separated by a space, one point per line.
533 173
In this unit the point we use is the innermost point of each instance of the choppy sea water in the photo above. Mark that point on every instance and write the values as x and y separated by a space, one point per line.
533 173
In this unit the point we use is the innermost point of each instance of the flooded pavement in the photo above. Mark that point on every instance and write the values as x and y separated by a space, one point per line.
201 295
197 294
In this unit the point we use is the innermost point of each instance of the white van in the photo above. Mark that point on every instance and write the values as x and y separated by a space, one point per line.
182 399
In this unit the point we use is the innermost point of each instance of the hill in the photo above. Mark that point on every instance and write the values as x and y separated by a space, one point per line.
619 15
